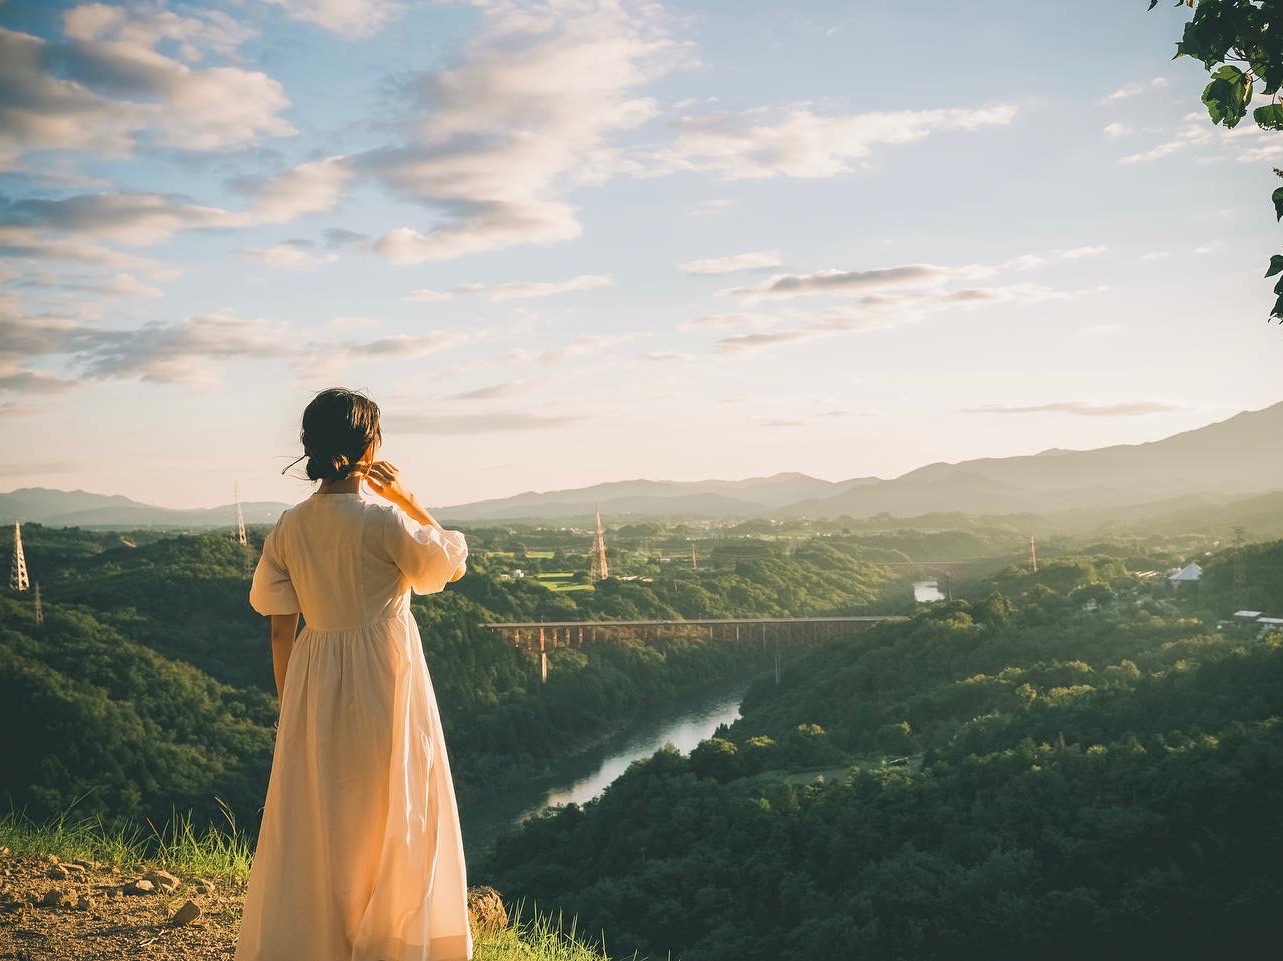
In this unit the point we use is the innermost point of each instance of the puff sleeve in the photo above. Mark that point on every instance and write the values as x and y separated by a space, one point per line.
430 557
272 592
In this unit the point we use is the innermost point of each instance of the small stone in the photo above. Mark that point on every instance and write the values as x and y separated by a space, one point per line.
84 903
82 864
141 886
57 898
58 873
51 858
188 913
205 887
165 881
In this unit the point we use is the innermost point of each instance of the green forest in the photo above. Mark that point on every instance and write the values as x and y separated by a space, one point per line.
1055 765
1076 758
148 688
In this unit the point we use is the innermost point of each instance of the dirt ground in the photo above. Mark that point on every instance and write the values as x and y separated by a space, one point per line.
91 913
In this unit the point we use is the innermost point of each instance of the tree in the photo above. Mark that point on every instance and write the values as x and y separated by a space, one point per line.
1223 33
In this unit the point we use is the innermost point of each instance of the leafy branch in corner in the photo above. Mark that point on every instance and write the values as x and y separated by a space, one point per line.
1222 34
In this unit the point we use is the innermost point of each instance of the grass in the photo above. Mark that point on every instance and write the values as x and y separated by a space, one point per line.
228 855
216 854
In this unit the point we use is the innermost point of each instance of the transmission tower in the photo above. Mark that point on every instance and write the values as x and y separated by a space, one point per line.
40 611
1033 554
18 580
240 520
597 567
1240 567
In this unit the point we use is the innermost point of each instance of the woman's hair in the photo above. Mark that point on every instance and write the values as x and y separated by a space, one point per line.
338 426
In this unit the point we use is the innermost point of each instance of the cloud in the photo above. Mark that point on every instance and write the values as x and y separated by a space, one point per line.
1077 253
1134 89
516 290
741 343
30 244
582 346
144 219
1081 408
491 423
883 310
337 238
755 260
113 285
178 352
348 18
291 254
106 87
527 113
725 321
508 388
1156 255
838 282
797 143
1117 130
306 189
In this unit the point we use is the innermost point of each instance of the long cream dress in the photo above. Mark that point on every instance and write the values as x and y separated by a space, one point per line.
359 854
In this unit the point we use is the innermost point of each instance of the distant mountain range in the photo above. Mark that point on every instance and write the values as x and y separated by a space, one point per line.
1191 471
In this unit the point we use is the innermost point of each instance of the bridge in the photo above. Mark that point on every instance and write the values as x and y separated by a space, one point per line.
544 636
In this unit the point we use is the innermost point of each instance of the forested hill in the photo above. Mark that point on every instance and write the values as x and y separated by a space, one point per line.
149 686
1045 769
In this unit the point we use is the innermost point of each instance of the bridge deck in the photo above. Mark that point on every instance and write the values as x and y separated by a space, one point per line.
696 621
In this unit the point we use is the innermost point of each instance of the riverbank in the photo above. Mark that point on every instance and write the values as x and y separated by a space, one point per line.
683 720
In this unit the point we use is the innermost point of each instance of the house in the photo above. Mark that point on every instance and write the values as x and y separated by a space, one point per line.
1190 572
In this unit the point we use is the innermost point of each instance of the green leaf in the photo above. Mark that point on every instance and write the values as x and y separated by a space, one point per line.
1276 264
1153 4
1270 116
1277 197
1278 308
1225 97
1278 288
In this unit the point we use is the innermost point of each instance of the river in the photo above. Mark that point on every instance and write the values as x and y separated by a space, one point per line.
685 721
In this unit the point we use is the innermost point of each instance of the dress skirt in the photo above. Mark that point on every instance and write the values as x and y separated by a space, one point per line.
359 854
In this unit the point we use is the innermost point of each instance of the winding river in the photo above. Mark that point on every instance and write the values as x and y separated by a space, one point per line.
685 721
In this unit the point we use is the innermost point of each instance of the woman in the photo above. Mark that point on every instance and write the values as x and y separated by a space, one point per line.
359 855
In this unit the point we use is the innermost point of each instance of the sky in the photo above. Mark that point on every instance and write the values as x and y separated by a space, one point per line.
562 242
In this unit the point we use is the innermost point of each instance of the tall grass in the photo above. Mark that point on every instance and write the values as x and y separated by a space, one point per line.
215 854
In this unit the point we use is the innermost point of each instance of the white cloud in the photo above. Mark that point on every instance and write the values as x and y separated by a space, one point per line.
347 18
1118 130
306 189
755 260
107 86
1155 255
528 113
493 423
1135 89
726 321
291 255
583 346
517 290
787 286
798 143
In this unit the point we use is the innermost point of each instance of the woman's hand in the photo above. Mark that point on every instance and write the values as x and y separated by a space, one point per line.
384 478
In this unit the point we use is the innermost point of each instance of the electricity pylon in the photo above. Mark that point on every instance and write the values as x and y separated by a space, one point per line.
18 579
597 567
